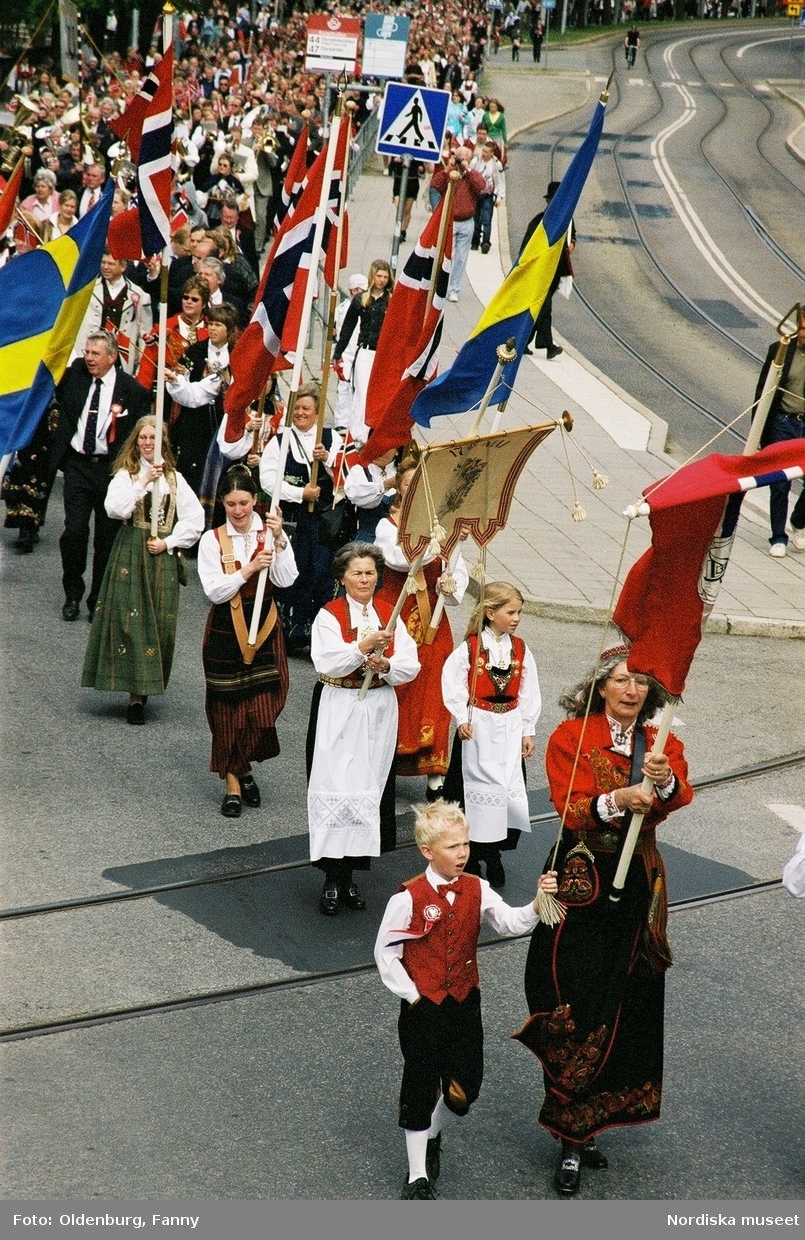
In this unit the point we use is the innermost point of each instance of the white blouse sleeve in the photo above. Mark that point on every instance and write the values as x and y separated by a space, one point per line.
238 449
389 953
794 870
289 494
122 495
194 395
189 524
362 491
530 698
329 653
219 586
404 659
455 683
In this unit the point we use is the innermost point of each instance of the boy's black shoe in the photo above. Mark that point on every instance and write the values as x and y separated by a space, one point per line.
433 1158
420 1190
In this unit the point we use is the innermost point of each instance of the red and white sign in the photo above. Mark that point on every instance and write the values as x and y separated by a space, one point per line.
332 43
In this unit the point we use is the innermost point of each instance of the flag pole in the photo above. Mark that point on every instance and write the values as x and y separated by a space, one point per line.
772 382
395 615
750 447
453 177
307 306
350 107
505 353
162 338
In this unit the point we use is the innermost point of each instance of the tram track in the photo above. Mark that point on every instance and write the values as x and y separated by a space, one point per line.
253 989
758 227
98 899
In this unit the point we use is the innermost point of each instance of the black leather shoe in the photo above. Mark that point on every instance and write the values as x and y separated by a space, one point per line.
433 1158
328 902
420 1190
230 806
485 248
527 351
592 1157
495 873
350 897
567 1177
71 609
135 713
25 542
554 351
249 792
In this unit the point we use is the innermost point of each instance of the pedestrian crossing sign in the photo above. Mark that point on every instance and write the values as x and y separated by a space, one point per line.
412 121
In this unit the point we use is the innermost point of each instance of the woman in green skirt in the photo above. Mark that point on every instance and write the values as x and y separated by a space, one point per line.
134 625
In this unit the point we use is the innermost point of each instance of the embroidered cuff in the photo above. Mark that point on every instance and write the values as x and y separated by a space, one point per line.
607 807
668 789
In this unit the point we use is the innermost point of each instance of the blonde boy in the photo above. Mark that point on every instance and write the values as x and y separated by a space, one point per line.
426 952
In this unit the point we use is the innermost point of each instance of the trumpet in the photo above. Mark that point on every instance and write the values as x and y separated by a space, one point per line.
14 137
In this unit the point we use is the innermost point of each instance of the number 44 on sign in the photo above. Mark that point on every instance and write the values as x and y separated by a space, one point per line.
412 121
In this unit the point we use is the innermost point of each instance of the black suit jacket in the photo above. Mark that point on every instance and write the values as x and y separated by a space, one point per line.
71 396
778 395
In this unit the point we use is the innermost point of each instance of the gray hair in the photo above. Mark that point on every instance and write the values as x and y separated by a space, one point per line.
356 551
106 339
213 264
44 174
574 701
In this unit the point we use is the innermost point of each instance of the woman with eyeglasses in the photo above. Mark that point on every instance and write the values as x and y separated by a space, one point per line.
595 983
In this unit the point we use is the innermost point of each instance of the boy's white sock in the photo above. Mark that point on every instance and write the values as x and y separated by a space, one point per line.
416 1143
441 1117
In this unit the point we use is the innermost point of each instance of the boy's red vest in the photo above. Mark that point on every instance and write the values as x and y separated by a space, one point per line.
442 959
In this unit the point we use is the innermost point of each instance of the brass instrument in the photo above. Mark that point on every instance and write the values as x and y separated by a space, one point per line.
13 135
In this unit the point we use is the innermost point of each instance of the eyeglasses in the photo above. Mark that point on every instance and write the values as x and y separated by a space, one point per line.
621 682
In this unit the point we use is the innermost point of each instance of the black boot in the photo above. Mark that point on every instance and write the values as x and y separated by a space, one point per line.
567 1176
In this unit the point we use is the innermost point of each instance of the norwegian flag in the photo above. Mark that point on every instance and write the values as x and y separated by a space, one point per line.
8 201
345 460
409 343
673 587
147 127
295 179
274 325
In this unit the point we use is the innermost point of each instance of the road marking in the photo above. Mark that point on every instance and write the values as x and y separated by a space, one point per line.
794 815
636 81
693 83
689 219
762 43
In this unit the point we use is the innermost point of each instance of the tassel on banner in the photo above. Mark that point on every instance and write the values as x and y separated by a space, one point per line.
599 480
410 585
578 513
478 571
448 584
434 548
549 910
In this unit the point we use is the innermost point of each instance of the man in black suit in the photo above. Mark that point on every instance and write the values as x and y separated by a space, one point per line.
98 405
786 420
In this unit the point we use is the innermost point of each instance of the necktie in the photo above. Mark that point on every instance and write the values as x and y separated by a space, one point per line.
91 429
93 198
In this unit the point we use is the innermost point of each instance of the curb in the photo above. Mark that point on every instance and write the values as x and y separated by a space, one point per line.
791 140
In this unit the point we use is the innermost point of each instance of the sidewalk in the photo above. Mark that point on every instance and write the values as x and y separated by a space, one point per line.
566 569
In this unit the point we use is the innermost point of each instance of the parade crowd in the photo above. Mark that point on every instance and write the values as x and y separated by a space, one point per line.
319 578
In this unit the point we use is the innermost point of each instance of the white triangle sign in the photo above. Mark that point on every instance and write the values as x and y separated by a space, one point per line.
412 128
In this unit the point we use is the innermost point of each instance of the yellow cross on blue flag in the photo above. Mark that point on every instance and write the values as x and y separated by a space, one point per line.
513 310
43 299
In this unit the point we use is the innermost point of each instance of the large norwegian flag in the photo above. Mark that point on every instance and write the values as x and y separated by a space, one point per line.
147 128
295 178
407 355
274 327
672 588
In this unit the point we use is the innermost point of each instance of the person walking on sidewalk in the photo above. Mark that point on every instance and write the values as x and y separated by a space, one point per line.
469 188
543 328
786 421
491 169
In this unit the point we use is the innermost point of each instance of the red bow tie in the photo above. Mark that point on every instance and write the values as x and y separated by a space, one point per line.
443 888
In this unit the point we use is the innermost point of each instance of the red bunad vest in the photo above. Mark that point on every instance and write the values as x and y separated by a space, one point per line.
339 608
440 957
488 695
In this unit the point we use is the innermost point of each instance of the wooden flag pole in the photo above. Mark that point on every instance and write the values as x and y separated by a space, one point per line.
395 615
350 107
441 241
296 374
162 338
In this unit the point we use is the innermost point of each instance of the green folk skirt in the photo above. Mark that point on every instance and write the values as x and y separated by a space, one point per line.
134 625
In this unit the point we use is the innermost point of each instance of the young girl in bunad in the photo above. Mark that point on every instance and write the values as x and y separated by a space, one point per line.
492 676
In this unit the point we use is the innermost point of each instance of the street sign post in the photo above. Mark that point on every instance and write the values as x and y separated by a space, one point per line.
412 121
385 45
332 44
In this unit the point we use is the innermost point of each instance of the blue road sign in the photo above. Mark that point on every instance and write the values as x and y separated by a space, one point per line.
412 121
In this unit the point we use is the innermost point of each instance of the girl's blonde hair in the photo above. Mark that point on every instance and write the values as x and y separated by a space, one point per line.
379 264
129 455
496 594
405 466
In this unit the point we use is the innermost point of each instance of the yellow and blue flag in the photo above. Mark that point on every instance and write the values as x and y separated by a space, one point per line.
513 310
43 299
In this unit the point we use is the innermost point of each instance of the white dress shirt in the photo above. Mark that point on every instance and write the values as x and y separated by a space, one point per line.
104 415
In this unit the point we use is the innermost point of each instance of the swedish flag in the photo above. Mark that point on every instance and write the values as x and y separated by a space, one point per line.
43 299
513 310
